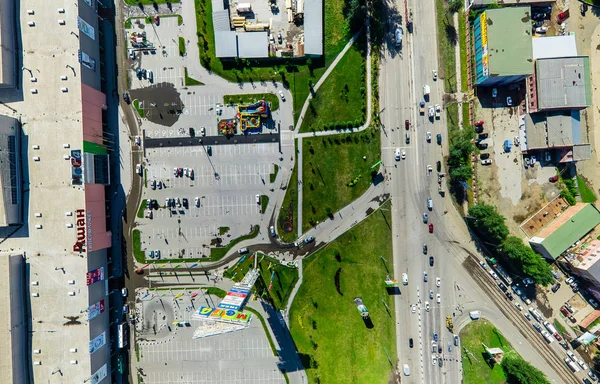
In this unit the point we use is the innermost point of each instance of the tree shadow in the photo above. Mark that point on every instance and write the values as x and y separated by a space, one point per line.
451 34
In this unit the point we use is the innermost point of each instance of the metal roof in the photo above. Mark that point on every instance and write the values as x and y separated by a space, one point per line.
555 129
582 152
509 41
221 20
253 45
535 131
225 44
313 27
217 5
554 46
572 230
564 82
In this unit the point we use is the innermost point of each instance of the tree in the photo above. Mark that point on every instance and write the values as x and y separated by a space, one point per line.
454 5
520 371
462 173
486 220
530 262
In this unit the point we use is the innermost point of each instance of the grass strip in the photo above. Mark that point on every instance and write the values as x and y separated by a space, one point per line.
264 202
447 40
181 46
140 212
287 220
273 176
272 99
586 193
137 247
462 34
188 80
140 110
219 252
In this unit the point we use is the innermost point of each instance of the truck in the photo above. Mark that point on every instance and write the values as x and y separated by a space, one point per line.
550 327
426 91
449 323
535 314
572 364
398 36
475 315
547 336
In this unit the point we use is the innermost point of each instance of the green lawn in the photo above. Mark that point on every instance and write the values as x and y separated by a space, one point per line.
264 203
462 33
559 327
273 176
140 212
447 39
181 46
283 282
341 98
288 215
475 368
219 252
252 98
296 75
587 195
330 164
190 81
137 247
334 343
452 118
465 115
140 110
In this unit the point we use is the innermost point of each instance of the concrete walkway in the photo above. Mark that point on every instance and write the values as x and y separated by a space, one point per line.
300 187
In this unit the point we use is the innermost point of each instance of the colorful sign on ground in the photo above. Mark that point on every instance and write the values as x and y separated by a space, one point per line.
98 342
95 309
235 298
226 315
95 276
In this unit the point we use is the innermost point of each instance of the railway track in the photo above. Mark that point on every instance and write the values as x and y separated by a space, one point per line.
516 317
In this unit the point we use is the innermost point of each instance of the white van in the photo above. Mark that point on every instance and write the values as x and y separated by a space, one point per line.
406 370
475 315
430 204
405 279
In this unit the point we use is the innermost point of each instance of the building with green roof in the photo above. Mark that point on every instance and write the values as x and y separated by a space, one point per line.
502 46
565 230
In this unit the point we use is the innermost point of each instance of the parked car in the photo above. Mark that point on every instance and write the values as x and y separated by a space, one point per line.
483 136
406 124
482 145
156 20
309 240
281 95
484 156
126 98
486 162
556 287
430 228
479 128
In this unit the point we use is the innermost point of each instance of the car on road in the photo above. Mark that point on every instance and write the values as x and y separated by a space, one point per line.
435 75
425 217
185 203
410 342
433 360
509 296
427 307
525 299
438 281
438 165
124 292
431 112
309 240
126 98
430 228
438 298
537 326
428 137
272 231
435 336
397 154
431 295
483 265
424 249
585 379
508 101
197 201
407 124
125 309
425 277
592 375
516 290
405 278
407 138
478 128
502 286
582 364
281 95
243 251
439 139
527 316
431 261
403 154
153 184
519 306
413 308
456 340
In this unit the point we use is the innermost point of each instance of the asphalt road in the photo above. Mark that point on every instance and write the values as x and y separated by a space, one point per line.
404 73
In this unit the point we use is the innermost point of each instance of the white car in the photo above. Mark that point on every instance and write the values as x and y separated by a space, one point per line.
570 280
138 169
429 170
397 154
582 364
203 131
518 305
282 95
509 101
438 298
428 137
427 308
125 309
124 292
433 360
197 201
403 154
486 162
483 265
434 75
425 277
533 160
431 111
413 308
138 141
438 281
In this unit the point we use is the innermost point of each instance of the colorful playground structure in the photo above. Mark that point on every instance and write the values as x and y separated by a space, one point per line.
248 117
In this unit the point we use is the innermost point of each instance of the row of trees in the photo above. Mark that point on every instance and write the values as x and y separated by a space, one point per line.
520 371
459 160
490 225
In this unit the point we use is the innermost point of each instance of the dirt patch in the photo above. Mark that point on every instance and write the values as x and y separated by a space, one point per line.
336 279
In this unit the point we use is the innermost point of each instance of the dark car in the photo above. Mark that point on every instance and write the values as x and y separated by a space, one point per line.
192 132
583 7
430 228
592 376
439 139
556 287
482 145
509 296
431 261
484 156
502 287
185 203
407 124
309 239
209 150
586 381
280 39
438 165
424 249
572 319
126 98
410 342
483 136
479 128
440 351
564 311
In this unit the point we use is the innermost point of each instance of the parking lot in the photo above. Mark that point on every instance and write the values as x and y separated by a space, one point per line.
169 354
224 185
